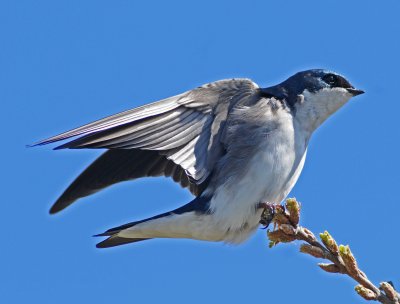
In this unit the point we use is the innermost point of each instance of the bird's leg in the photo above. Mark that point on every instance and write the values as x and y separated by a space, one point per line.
268 213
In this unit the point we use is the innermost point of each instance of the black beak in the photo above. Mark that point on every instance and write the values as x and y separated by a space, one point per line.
355 92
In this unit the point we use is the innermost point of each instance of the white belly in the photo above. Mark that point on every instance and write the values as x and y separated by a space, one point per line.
268 177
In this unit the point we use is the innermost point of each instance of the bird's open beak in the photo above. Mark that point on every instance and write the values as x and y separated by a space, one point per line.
355 92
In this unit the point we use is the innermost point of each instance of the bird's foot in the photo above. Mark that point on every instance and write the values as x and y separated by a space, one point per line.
268 214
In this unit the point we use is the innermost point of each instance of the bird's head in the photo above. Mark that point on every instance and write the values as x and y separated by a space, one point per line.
314 95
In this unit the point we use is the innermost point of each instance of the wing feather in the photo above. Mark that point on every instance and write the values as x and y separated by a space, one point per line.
149 110
181 137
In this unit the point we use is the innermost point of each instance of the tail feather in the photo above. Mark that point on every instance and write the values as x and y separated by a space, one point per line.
169 224
115 240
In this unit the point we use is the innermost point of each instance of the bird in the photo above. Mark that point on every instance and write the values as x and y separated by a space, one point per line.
234 145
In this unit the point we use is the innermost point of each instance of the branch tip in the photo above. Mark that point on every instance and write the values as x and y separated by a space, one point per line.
329 242
342 259
366 293
389 291
332 268
312 250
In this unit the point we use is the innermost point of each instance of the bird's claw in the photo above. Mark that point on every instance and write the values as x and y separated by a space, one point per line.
268 214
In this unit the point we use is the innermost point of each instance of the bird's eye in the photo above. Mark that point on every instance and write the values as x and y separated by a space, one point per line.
331 79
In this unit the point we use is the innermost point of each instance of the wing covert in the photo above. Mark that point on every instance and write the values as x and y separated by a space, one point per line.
185 129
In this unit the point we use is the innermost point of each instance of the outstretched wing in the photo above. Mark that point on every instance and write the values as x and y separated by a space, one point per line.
118 165
179 136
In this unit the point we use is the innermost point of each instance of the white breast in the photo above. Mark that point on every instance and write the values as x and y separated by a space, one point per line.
267 177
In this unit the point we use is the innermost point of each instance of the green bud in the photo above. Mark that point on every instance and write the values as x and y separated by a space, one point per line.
329 242
293 207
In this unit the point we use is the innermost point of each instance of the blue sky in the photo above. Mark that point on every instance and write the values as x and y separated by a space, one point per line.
65 63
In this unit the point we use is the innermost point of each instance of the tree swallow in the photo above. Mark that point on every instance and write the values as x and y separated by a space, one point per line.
233 144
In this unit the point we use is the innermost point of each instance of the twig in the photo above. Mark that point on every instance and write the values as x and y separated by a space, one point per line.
286 229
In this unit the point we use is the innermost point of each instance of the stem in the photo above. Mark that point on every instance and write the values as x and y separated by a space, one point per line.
341 256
